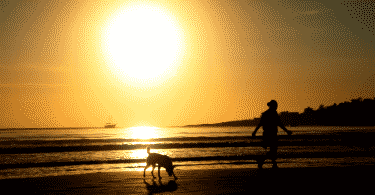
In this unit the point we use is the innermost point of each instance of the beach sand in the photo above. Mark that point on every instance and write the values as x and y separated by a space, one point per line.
354 179
331 172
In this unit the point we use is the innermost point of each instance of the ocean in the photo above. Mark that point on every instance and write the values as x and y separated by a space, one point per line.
51 152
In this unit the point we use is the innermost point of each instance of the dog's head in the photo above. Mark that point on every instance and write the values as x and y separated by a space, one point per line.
169 170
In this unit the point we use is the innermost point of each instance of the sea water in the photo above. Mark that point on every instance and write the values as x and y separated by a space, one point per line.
45 152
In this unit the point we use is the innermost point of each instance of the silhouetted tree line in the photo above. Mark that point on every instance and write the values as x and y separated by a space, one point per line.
357 112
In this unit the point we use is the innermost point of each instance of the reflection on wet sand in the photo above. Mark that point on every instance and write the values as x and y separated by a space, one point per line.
158 187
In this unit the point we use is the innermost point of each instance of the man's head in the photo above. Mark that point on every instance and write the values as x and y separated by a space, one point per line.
272 104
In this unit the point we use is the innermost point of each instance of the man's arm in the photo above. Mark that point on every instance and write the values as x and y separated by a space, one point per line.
283 127
286 130
256 129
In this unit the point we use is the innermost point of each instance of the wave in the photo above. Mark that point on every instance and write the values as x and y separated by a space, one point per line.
32 146
200 159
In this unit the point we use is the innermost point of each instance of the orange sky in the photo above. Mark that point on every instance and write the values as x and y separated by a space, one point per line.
231 58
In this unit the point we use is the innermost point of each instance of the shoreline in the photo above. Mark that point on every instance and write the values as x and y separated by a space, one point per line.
206 181
238 158
303 148
345 164
301 162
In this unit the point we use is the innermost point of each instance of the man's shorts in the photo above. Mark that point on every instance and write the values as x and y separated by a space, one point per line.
269 141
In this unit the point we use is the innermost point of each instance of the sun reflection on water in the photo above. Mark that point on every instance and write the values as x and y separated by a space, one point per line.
137 154
144 132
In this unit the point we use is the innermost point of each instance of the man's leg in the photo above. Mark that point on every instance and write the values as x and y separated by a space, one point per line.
273 151
273 155
260 159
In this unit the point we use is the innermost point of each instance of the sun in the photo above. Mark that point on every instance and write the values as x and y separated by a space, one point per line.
143 43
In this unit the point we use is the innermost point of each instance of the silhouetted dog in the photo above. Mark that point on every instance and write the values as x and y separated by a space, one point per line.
161 160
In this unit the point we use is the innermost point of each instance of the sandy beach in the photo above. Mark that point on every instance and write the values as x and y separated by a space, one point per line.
210 181
345 168
342 162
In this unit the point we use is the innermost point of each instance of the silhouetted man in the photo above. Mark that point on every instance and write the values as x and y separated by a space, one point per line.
270 120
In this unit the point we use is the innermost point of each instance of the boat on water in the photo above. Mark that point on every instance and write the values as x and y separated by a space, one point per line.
109 125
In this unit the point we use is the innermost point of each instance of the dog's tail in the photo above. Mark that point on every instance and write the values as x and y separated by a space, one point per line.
148 150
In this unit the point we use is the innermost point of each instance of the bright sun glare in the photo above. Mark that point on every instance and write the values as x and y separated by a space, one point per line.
144 132
143 43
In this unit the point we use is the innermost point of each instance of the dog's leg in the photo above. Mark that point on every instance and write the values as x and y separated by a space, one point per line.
159 171
175 178
144 171
152 172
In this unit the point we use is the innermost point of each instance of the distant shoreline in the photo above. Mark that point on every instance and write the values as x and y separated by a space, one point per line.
219 125
241 123
210 125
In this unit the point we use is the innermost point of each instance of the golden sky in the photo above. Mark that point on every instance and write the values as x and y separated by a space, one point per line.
169 63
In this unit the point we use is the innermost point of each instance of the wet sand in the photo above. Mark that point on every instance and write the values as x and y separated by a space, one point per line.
354 179
341 173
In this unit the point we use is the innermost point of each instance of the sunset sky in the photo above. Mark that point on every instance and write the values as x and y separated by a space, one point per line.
170 63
